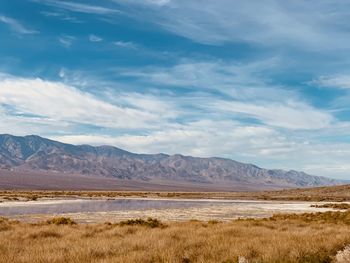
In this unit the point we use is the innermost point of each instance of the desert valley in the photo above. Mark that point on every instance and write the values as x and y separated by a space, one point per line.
174 131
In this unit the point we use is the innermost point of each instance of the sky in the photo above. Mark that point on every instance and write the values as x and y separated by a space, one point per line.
263 82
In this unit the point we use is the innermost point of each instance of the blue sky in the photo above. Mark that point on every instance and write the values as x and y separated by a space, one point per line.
262 82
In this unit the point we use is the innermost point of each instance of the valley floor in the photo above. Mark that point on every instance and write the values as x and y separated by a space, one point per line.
283 238
339 193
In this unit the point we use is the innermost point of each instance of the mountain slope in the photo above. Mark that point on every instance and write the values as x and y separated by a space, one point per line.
33 153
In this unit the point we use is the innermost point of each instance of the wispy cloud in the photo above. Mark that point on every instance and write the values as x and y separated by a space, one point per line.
337 81
287 23
125 44
62 16
146 2
58 102
236 79
66 41
94 38
289 114
80 7
17 26
231 90
199 138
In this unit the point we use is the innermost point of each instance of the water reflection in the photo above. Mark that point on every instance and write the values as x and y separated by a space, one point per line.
81 206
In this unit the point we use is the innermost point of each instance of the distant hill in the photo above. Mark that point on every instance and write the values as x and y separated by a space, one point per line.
36 154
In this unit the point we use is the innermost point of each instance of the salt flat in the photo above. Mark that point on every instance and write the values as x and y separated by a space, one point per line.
101 210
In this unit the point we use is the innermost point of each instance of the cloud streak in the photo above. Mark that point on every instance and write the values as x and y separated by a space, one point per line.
80 7
94 38
290 115
338 82
66 41
125 44
16 25
301 25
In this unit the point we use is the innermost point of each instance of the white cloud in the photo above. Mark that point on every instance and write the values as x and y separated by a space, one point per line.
58 102
159 2
164 107
66 41
246 92
147 2
338 81
290 115
80 7
16 25
125 44
285 23
236 79
200 138
62 16
62 73
94 38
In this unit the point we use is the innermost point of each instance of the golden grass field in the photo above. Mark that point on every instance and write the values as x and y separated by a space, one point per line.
281 238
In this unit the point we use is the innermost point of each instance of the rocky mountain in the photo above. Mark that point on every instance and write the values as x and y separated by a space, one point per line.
33 153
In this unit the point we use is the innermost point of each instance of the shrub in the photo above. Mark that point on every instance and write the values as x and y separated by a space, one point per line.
150 222
33 197
61 221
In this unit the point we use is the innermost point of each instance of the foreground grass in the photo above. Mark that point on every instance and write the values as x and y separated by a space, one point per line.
282 238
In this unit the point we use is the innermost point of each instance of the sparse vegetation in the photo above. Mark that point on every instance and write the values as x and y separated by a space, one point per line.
313 238
331 194
341 206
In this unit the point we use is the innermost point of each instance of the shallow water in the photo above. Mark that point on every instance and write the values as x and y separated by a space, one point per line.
118 209
81 206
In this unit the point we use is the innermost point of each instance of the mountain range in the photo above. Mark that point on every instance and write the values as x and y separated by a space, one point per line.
34 154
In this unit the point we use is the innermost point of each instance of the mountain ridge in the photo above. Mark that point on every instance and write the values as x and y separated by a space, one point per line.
35 153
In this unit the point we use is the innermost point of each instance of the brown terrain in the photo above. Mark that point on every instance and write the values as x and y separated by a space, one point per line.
41 180
339 193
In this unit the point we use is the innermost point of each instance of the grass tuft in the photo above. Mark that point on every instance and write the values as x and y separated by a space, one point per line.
150 222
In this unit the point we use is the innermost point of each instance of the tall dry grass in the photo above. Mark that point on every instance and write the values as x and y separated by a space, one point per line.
281 239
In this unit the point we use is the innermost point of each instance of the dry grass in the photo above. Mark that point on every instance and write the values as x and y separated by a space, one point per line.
309 238
331 194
